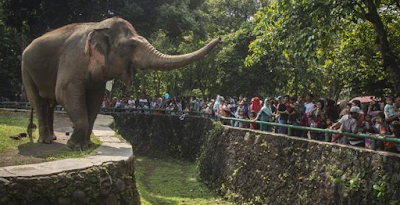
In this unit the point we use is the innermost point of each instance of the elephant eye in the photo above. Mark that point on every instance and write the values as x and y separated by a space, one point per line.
131 43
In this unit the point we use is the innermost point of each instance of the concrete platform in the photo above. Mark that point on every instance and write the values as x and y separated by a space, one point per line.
112 149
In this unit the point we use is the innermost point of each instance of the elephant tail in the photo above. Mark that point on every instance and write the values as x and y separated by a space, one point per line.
31 126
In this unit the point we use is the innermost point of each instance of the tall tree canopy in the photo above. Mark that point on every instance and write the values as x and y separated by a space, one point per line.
330 48
349 44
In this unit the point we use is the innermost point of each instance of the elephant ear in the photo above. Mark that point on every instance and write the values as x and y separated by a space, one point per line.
97 49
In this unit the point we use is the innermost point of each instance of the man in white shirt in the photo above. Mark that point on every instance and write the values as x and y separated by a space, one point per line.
309 104
131 101
348 123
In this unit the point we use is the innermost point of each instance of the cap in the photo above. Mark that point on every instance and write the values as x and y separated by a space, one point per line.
355 109
279 97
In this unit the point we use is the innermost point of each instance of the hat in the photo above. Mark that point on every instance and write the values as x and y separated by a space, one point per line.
355 109
279 97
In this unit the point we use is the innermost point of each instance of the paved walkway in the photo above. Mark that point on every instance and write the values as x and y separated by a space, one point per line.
112 149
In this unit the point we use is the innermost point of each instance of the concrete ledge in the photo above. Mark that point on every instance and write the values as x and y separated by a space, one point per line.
104 177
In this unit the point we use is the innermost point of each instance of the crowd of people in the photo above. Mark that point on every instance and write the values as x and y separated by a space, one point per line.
378 117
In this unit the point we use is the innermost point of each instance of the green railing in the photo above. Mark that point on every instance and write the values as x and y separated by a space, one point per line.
326 132
153 111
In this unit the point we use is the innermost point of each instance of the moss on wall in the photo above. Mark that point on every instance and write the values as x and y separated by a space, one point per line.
252 167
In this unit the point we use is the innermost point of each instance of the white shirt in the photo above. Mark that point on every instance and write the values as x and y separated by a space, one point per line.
309 107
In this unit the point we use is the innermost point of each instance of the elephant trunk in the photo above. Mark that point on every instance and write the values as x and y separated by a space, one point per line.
153 59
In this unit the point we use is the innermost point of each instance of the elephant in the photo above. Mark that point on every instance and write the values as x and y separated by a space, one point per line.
70 66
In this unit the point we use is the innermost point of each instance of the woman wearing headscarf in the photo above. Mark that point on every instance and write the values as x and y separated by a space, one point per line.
217 103
264 115
255 105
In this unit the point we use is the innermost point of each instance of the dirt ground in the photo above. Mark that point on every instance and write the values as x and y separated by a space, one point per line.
29 154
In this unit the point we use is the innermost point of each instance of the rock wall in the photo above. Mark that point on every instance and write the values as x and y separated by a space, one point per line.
112 183
254 167
163 135
266 168
105 177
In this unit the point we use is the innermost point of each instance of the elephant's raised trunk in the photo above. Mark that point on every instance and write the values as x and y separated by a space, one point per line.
153 59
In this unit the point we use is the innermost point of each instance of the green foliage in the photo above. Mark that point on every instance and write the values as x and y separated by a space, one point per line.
380 189
329 48
10 75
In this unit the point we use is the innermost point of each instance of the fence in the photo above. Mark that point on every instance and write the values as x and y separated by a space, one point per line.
373 137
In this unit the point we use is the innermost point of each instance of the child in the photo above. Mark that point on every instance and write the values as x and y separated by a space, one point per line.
253 117
395 130
368 119
329 123
390 107
380 128
242 116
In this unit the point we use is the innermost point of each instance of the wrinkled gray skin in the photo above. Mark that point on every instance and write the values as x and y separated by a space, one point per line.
70 66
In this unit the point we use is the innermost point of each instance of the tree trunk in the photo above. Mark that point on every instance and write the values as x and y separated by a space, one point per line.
389 60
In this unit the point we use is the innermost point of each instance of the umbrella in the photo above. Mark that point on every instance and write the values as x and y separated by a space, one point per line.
363 99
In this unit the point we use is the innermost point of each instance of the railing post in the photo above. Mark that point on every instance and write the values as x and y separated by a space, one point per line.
373 145
327 137
289 131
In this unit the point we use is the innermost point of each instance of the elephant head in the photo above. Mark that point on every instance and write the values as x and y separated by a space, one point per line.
115 49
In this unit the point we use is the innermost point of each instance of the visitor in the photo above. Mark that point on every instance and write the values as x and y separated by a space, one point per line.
317 120
216 105
395 130
239 108
375 107
299 119
255 104
143 100
358 104
264 115
283 115
391 111
348 123
291 111
243 117
131 102
253 117
246 107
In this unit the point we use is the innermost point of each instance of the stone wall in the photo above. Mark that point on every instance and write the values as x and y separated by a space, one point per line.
105 177
254 167
108 184
163 135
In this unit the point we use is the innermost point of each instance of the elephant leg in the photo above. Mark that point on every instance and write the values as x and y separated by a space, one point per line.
93 103
51 121
74 102
41 106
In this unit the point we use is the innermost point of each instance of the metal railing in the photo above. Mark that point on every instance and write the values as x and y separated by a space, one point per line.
373 137
326 132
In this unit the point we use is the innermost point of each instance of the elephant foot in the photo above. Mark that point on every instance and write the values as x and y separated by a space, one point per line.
90 143
46 139
77 146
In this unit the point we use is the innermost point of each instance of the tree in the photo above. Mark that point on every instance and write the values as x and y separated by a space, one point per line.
311 36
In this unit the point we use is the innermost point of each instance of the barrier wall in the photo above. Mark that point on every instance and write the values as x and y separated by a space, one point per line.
256 167
106 177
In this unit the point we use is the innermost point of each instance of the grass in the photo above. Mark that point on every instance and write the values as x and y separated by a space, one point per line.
12 123
171 182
